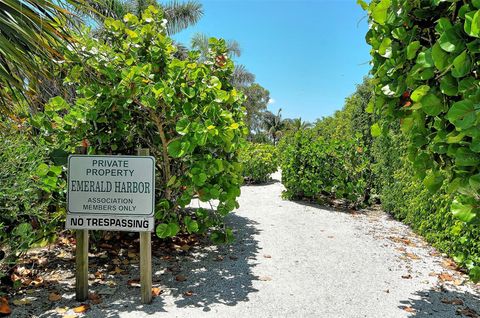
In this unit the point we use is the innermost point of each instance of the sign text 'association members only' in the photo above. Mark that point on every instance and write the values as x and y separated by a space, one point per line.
111 192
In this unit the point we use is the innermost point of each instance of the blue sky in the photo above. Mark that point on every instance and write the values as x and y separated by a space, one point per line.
308 54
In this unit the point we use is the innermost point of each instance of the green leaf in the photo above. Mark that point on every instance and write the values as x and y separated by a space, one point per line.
451 41
192 225
425 59
462 114
375 130
167 230
59 157
419 93
440 57
42 170
473 24
162 230
57 170
182 126
56 103
385 48
199 179
474 182
462 65
431 104
466 158
176 148
449 85
412 49
463 212
433 181
380 11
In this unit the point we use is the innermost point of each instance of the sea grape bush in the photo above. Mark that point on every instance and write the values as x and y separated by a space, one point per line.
259 162
410 201
134 92
30 198
314 167
425 68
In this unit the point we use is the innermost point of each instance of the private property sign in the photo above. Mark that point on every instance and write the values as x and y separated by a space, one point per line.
111 193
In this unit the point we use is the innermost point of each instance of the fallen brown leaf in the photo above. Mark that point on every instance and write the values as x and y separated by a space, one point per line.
412 256
408 276
408 309
81 309
99 275
449 264
265 278
4 306
188 293
95 298
54 296
445 277
453 301
267 256
180 278
156 291
468 312
37 281
458 282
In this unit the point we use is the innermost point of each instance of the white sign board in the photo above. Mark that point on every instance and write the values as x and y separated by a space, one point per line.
111 193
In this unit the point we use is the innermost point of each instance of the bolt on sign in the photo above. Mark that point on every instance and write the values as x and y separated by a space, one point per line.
111 193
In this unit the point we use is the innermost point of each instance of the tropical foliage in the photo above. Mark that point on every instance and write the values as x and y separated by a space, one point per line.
424 69
133 92
259 162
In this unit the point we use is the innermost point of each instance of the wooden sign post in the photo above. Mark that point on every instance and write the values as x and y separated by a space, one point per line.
145 257
111 193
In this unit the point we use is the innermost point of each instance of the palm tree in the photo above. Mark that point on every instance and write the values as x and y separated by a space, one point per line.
274 125
297 124
32 33
179 15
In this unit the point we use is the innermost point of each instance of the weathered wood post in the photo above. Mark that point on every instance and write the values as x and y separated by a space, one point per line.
81 256
145 256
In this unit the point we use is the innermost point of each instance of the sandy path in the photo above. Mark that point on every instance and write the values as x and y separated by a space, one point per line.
296 260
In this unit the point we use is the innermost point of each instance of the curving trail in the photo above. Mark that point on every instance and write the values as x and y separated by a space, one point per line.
297 260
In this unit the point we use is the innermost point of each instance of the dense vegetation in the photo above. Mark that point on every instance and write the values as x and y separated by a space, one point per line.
259 162
425 75
134 87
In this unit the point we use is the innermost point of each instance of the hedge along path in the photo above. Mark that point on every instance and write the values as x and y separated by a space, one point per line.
298 260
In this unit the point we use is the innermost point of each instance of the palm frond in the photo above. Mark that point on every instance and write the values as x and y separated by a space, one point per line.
234 48
101 9
32 36
181 15
241 77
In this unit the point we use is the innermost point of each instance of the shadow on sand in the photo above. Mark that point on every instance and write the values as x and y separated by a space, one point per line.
442 303
214 275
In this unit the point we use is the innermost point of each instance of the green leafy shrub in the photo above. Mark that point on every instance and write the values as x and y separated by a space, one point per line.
30 194
259 162
428 214
314 167
424 57
134 92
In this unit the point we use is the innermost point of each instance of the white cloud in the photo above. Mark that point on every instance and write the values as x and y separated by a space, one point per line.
271 101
